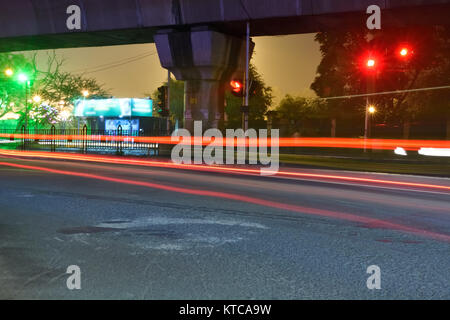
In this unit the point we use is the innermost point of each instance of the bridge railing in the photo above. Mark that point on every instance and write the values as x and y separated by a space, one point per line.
83 139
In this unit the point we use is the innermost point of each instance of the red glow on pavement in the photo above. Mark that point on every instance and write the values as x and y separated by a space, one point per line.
368 222
215 168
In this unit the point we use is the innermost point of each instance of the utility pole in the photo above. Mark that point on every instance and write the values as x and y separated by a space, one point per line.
366 125
370 89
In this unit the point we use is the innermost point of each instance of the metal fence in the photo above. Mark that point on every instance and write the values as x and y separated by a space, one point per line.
83 139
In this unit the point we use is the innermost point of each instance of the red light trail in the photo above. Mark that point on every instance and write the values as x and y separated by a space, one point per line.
217 168
369 222
352 143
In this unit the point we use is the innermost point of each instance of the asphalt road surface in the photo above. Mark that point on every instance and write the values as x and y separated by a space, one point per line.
163 233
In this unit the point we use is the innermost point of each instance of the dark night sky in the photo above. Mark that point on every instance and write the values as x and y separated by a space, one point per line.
287 63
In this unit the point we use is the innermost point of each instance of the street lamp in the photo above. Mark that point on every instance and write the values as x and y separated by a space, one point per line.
37 98
85 93
22 77
9 72
372 110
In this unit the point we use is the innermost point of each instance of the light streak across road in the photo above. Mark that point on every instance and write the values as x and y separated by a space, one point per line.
345 143
220 169
366 221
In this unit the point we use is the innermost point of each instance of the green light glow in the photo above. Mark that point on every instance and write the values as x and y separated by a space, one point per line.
22 77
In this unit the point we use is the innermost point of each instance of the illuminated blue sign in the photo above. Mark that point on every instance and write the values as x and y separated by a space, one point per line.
114 108
127 125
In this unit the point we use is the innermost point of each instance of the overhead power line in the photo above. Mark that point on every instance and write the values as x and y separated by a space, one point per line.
385 93
115 64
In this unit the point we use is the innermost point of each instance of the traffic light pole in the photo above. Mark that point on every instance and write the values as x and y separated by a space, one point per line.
247 76
168 101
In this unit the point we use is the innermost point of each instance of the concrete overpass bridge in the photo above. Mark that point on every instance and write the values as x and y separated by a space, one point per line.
200 41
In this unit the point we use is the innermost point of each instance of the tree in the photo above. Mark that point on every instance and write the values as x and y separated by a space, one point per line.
434 104
12 92
57 90
295 113
399 74
337 74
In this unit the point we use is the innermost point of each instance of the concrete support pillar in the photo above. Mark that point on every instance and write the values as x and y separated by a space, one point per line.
205 101
207 61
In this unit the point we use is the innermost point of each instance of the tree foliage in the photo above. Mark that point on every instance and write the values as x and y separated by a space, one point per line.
12 92
295 114
57 89
342 72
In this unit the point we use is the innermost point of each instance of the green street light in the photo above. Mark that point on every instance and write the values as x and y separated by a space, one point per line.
22 77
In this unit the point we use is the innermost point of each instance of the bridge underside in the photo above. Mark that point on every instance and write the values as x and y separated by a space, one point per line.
410 16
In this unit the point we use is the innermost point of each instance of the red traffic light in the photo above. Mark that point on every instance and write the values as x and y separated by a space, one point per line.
371 63
236 85
404 52
237 88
